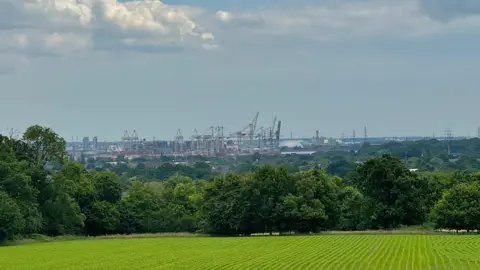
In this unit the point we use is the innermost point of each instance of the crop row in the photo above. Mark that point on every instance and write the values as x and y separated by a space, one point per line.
294 252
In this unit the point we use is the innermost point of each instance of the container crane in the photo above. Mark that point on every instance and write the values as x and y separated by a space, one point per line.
247 130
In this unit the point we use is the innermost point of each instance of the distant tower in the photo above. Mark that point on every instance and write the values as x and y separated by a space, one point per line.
277 134
196 140
178 147
448 137
353 136
95 142
211 141
126 140
317 137
478 132
219 138
365 135
86 143
74 149
134 140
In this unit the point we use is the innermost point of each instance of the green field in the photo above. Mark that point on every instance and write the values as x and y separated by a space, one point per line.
290 252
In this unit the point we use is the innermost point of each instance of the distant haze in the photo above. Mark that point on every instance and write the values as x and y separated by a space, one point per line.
98 68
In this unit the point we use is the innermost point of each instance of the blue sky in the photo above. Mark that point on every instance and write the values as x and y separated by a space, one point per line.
96 67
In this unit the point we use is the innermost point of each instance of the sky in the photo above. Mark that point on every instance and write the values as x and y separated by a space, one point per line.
100 67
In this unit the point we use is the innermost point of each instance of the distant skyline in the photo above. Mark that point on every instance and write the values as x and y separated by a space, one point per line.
98 68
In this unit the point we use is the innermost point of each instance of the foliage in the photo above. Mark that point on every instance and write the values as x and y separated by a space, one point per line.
394 195
42 193
199 170
11 218
459 207
45 145
271 200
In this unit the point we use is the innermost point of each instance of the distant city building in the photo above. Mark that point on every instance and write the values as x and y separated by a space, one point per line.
291 144
95 142
86 143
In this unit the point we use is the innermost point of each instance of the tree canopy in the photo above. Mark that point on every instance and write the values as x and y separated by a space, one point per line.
41 191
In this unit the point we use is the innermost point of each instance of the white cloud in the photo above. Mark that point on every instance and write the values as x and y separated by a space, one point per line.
206 36
57 27
66 42
72 25
223 15
210 47
446 10
384 18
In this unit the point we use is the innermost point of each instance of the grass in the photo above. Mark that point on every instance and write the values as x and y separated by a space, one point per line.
340 251
39 238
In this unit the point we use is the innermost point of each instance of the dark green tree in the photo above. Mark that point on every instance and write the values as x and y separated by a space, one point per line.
70 195
46 146
225 210
139 210
107 187
102 218
459 208
15 182
316 187
340 167
353 207
268 187
394 194
12 220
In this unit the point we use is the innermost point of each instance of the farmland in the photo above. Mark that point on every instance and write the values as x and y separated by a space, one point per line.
290 252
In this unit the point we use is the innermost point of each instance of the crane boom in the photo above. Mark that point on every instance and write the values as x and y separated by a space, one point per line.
253 127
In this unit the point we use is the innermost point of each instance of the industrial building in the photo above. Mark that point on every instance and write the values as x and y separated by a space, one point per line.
213 141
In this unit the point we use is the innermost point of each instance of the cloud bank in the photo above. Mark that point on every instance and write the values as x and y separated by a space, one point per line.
59 27
447 10
63 26
374 18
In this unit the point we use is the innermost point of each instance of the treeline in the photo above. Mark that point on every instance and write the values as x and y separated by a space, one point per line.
140 171
431 154
424 155
41 192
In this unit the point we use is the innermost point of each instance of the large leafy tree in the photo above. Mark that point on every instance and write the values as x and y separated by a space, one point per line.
225 209
139 210
107 187
182 199
17 184
70 191
40 146
459 208
103 218
12 220
45 145
102 215
320 191
353 207
300 214
62 215
340 167
394 194
268 187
